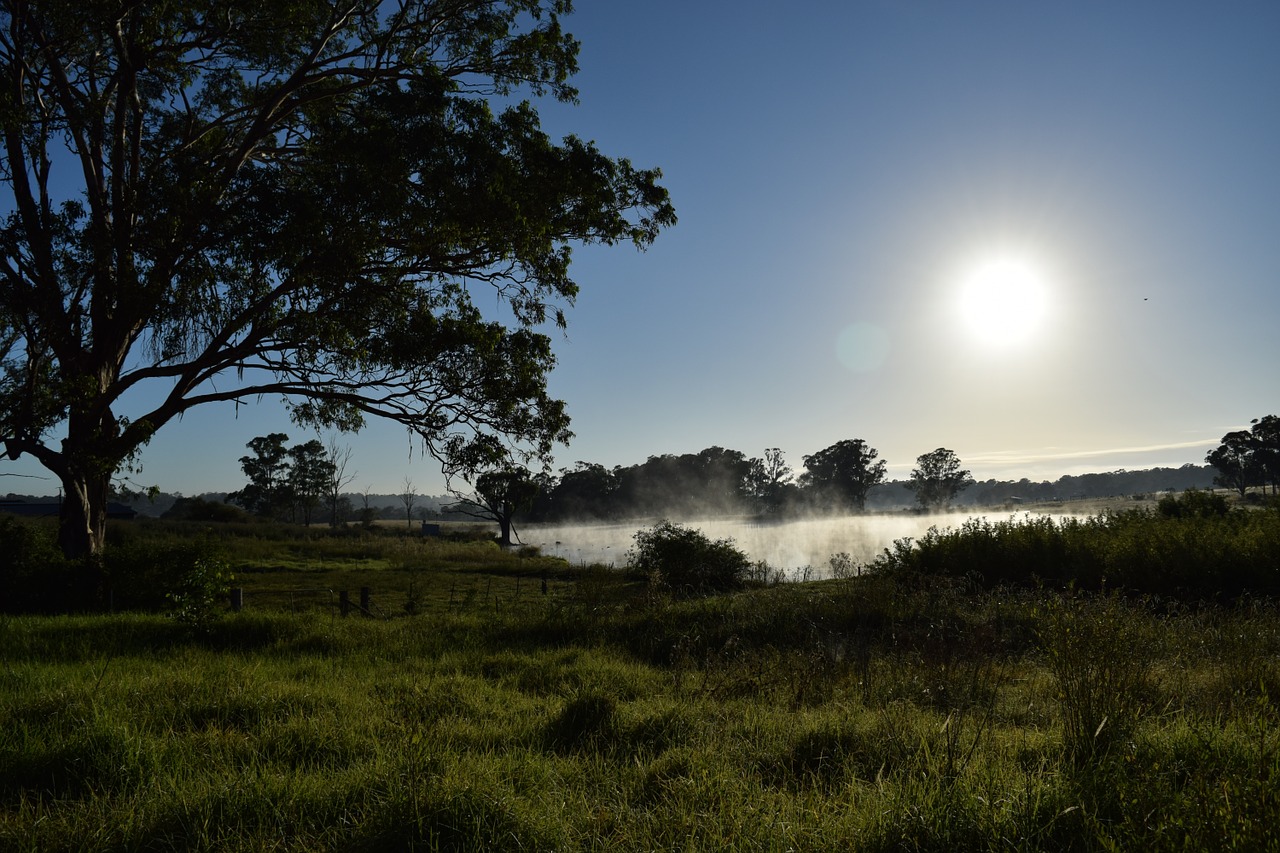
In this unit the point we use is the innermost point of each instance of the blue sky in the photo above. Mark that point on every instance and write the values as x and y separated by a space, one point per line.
840 170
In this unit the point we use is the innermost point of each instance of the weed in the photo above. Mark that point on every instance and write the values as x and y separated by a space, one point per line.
199 589
1099 651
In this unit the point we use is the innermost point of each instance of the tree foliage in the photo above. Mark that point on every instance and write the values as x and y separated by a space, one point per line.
1249 457
768 479
310 475
268 471
585 492
938 478
1234 460
845 472
498 496
284 482
1266 442
211 201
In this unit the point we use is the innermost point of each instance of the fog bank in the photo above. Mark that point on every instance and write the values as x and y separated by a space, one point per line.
790 545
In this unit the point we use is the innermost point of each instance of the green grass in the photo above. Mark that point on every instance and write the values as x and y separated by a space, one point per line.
543 727
876 713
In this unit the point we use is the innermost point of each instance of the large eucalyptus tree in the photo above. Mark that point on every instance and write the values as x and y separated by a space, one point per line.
215 200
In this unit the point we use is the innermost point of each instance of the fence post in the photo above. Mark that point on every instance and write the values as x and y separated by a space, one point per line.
344 603
364 599
237 599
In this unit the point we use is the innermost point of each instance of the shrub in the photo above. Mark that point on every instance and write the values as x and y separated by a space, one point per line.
199 509
1196 555
185 578
842 566
35 575
1193 503
202 584
686 562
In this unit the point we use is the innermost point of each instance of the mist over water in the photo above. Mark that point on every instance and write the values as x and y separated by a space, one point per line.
790 545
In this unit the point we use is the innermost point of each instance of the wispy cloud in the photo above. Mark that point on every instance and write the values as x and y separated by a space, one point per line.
1052 454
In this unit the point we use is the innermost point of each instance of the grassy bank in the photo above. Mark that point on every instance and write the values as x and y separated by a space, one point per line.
873 713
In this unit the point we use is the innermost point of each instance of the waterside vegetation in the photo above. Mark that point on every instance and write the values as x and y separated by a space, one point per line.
497 699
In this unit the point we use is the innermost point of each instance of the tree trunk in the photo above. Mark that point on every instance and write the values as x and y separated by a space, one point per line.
85 473
82 528
504 529
82 520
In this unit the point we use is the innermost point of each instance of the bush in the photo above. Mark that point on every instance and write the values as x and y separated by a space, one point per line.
1198 555
183 577
1193 503
36 577
201 587
686 562
199 509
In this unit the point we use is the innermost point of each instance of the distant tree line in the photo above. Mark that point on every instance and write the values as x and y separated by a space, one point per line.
1142 482
843 478
718 481
303 483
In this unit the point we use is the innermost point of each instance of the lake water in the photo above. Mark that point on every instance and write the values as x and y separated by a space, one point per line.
790 545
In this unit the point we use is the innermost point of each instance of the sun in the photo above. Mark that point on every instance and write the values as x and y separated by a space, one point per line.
1003 300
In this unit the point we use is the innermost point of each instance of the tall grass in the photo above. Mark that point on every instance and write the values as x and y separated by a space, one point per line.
1185 556
523 704
862 714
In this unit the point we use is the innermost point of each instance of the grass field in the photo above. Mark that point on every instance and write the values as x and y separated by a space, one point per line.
475 709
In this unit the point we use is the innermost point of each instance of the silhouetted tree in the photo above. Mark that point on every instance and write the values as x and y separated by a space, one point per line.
768 478
938 478
211 201
284 482
586 491
310 474
267 493
499 496
339 460
408 497
1266 450
710 481
368 513
1235 461
844 472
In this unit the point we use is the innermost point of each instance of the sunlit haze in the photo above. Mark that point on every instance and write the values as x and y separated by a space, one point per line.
1042 235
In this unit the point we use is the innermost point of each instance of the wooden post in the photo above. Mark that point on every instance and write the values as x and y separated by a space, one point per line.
364 599
344 602
237 599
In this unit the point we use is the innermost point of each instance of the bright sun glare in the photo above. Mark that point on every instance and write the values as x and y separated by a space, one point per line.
1003 301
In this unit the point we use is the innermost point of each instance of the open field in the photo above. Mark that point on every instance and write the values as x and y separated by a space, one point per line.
890 712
